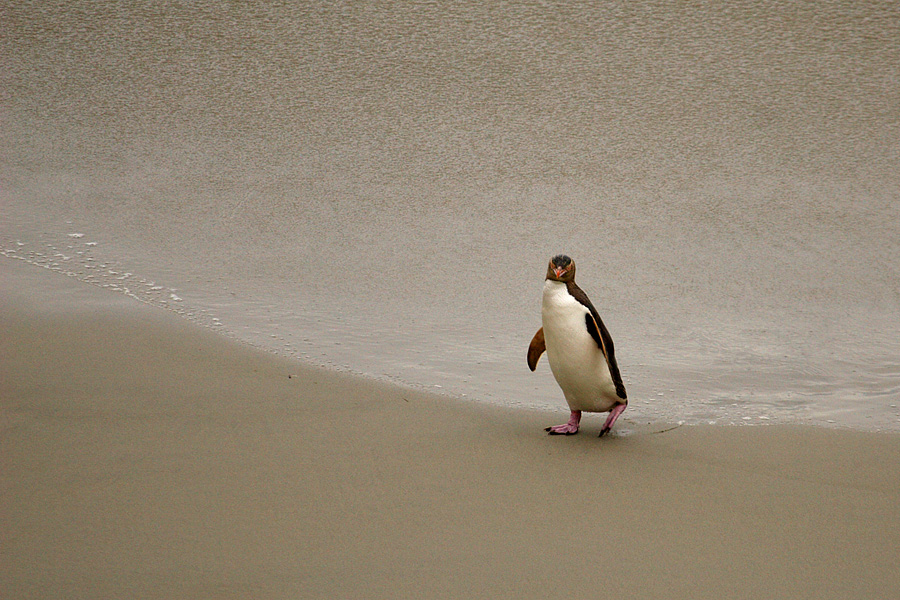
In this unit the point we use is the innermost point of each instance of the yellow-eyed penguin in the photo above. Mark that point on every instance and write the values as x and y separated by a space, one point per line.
579 349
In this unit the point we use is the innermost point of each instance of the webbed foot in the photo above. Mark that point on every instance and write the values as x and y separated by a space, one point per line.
611 419
570 428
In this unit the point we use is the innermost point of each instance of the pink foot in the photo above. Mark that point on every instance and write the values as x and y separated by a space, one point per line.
570 428
613 415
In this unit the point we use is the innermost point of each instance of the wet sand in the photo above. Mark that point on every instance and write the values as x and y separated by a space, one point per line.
146 457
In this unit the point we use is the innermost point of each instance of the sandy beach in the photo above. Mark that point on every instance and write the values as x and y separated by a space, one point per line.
146 457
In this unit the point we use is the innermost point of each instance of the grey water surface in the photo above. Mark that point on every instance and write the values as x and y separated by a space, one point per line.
378 186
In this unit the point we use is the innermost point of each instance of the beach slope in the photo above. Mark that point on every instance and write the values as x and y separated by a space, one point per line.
142 456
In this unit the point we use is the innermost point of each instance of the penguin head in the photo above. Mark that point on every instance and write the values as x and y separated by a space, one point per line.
561 268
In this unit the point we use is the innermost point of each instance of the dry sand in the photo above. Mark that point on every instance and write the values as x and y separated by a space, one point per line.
145 457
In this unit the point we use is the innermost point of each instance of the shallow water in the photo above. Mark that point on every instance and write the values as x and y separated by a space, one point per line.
379 190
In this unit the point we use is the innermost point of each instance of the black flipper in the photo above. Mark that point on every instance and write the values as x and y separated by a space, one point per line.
592 329
536 348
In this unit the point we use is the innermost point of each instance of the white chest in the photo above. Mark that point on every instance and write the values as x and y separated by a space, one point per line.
562 315
565 332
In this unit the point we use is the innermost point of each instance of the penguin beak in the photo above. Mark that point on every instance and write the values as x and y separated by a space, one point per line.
559 271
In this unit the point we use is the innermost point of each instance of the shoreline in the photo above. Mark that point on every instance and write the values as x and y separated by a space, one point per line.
146 457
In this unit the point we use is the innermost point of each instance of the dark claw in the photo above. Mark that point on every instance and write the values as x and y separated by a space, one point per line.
602 431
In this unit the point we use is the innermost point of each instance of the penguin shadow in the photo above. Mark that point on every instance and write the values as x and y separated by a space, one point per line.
623 429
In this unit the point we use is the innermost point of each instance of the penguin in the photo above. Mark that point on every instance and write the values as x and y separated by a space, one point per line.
579 350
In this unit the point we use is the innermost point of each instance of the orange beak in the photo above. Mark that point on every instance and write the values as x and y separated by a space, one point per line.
559 271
